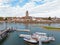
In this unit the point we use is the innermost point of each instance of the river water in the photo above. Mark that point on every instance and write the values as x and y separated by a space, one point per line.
14 39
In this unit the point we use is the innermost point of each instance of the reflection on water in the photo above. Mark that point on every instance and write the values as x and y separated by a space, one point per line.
49 24
1 41
29 43
26 25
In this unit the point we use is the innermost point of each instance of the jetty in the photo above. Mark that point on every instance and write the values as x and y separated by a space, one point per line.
23 30
40 42
4 33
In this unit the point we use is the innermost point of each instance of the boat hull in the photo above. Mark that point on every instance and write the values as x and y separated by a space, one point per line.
30 41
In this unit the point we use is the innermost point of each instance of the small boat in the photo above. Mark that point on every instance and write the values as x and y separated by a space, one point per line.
47 39
40 34
34 38
51 38
30 40
43 37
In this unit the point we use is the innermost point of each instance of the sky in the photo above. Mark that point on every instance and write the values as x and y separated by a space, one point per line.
36 8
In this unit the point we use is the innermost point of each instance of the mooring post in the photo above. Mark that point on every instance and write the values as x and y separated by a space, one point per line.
40 42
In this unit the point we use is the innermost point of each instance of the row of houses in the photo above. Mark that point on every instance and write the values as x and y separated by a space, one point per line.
31 19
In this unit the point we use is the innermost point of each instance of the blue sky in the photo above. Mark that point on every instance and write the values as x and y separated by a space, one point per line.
38 8
18 2
21 3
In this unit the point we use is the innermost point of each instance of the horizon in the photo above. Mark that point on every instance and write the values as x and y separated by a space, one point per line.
36 8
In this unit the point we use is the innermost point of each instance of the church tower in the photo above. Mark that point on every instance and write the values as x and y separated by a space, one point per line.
27 14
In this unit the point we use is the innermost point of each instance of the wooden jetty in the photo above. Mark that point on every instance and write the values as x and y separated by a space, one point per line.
4 33
23 30
40 42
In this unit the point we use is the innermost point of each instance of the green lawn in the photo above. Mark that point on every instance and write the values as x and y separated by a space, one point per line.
50 28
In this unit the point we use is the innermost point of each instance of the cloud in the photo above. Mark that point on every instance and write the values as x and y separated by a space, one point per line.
12 11
0 0
14 8
48 9
29 6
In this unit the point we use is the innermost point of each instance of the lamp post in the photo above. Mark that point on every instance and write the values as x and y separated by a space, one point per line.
5 23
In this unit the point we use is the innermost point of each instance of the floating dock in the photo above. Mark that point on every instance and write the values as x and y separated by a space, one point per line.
23 30
24 35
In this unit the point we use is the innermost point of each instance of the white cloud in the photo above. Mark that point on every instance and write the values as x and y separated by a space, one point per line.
12 12
21 0
36 0
0 0
50 8
52 14
29 6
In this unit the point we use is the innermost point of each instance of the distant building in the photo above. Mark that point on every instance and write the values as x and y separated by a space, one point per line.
27 14
27 18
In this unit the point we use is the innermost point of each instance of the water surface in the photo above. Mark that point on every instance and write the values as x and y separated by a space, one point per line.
13 37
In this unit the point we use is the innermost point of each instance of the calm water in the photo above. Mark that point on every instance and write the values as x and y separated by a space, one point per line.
13 37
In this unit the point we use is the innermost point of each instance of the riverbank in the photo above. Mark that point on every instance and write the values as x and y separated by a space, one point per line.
30 22
50 28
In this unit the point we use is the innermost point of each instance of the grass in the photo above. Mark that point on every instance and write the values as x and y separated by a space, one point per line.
50 28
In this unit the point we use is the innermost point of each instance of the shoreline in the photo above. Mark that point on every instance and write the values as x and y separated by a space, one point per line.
51 28
30 22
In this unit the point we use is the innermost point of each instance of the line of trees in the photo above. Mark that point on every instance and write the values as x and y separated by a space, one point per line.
1 18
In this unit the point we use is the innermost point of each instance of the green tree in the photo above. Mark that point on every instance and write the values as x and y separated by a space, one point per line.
49 18
1 18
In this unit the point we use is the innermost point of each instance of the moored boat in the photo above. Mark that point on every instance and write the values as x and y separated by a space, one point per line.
43 37
30 40
34 38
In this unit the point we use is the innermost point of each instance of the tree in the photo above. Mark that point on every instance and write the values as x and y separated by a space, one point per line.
5 19
1 18
49 18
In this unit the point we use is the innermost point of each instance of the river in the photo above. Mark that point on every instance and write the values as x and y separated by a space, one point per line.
14 39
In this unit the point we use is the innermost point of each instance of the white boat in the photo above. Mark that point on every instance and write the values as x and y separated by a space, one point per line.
47 39
28 38
40 34
51 38
43 37
31 40
34 38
